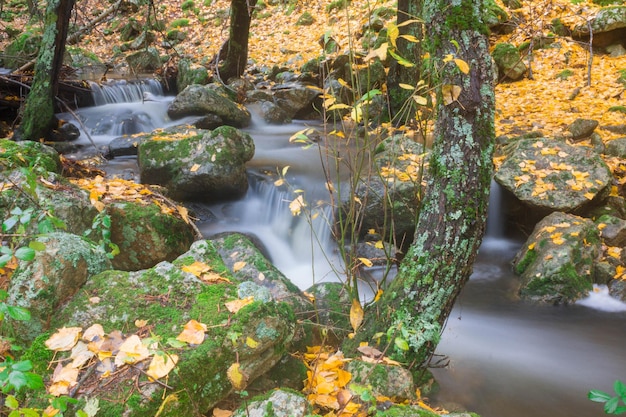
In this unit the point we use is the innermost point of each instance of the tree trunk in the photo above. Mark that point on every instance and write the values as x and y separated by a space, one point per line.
236 49
413 310
38 118
403 110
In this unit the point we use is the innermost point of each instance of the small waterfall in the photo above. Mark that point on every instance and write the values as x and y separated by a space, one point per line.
120 91
495 218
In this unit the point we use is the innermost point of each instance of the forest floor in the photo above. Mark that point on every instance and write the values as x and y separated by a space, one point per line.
543 102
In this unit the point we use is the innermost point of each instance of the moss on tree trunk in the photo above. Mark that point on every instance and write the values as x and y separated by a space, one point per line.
413 310
236 49
38 118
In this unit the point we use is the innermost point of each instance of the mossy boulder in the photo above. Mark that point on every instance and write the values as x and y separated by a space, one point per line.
200 100
556 264
384 380
190 73
167 297
28 154
550 175
146 236
202 166
144 61
23 49
608 27
509 61
617 147
55 274
278 403
45 194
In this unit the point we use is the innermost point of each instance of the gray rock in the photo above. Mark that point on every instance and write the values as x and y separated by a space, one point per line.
613 230
144 61
296 100
582 128
204 166
556 264
279 403
617 147
190 73
200 100
549 175
386 380
617 288
51 279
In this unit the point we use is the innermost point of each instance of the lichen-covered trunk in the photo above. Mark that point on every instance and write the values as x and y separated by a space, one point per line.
237 46
413 310
38 117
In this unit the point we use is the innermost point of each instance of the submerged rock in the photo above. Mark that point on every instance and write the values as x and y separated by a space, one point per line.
556 264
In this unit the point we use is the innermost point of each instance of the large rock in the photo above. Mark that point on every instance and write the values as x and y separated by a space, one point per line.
296 100
608 27
550 175
35 156
509 61
279 403
556 264
201 100
202 166
55 274
146 236
237 346
390 197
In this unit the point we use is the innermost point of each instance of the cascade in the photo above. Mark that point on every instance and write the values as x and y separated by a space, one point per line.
120 91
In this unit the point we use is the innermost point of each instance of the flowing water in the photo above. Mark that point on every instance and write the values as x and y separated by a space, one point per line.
505 357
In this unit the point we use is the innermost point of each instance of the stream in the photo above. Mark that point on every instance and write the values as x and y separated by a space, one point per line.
503 357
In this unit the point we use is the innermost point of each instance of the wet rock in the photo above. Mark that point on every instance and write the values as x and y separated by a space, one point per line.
201 100
202 166
190 73
55 274
146 236
612 230
296 100
549 175
556 264
145 61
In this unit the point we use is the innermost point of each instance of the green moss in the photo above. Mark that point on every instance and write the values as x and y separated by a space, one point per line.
529 257
28 154
178 23
618 109
565 74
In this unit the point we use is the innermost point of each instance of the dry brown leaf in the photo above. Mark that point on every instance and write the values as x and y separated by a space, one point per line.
94 332
235 305
64 339
131 351
161 365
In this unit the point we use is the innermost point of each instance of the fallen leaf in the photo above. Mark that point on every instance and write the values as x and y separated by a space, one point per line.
64 378
193 332
161 365
218 412
239 265
131 351
81 354
64 339
235 305
237 378
94 332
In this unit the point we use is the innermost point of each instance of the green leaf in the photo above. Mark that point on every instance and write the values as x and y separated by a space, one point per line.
401 60
611 405
18 313
370 95
34 381
620 389
598 396
22 366
401 344
11 402
9 223
4 259
25 253
175 343
17 380
106 221
37 245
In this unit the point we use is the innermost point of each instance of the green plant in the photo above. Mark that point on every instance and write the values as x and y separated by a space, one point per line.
188 5
622 77
179 23
611 403
565 74
102 225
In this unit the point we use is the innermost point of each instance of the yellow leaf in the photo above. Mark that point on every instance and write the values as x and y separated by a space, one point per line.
131 351
450 93
236 377
366 262
614 252
379 244
532 246
338 106
589 195
140 323
195 167
64 339
392 33
410 38
192 333
236 305
64 378
251 343
161 365
197 268
239 265
296 205
380 52
406 86
218 412
462 65
356 314
81 355
94 332
379 294
557 238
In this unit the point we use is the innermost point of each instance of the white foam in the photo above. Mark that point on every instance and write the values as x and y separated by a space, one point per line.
600 299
